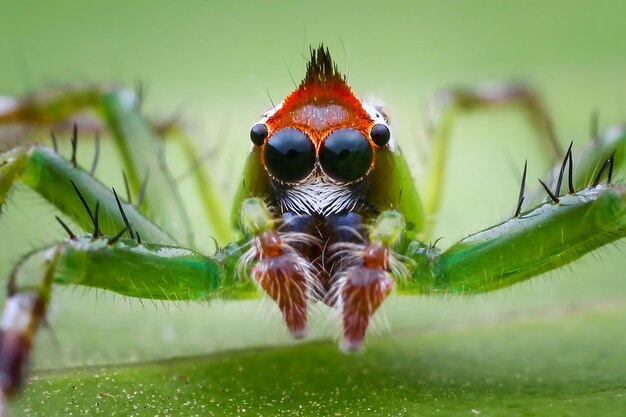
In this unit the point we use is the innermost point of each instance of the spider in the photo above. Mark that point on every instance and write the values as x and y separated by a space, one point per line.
326 210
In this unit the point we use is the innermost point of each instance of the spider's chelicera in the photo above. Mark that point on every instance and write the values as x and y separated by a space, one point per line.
326 211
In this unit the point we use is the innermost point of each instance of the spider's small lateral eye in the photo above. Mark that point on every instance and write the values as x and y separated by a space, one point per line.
380 134
346 155
258 133
289 155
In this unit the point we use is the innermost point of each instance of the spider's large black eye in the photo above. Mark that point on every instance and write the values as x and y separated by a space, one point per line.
258 133
346 155
289 155
380 134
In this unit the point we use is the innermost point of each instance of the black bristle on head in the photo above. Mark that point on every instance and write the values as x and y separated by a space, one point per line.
121 209
269 97
554 198
562 171
570 181
520 198
55 145
293 80
96 155
321 68
66 228
598 178
74 141
118 235
83 201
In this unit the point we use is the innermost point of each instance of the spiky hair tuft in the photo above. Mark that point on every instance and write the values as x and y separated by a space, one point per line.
321 69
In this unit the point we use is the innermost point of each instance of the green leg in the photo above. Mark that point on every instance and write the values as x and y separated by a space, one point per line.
54 177
214 207
123 266
448 105
136 139
545 238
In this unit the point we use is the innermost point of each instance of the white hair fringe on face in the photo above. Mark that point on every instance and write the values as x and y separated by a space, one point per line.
318 195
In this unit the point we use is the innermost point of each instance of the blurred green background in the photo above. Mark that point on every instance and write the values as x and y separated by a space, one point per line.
554 345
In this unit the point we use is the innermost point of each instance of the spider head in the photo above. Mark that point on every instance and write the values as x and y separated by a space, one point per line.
320 138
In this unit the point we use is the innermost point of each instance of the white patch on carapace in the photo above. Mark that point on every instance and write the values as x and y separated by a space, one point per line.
378 118
266 115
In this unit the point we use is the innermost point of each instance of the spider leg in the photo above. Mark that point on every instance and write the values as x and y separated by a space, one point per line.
124 266
73 191
138 142
547 237
551 235
448 105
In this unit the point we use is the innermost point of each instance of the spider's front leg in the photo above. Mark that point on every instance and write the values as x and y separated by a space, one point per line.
542 239
73 191
130 268
546 237
446 107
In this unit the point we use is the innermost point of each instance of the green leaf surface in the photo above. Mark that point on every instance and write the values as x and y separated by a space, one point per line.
564 363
